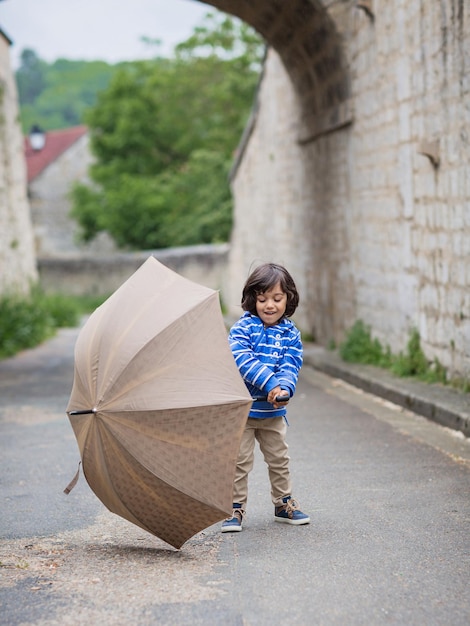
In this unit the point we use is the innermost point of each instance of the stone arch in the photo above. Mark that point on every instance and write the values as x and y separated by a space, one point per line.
305 37
287 158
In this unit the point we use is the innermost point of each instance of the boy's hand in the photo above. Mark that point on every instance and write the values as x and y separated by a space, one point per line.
274 393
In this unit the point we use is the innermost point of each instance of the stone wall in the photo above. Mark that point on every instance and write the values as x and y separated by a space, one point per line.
373 218
101 275
410 158
271 193
17 261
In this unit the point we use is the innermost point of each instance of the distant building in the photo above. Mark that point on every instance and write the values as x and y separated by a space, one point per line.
63 160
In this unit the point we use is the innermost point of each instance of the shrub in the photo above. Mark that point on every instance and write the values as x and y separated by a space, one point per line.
359 347
63 310
413 361
26 322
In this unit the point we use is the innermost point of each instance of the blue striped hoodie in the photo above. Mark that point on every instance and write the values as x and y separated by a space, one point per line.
266 357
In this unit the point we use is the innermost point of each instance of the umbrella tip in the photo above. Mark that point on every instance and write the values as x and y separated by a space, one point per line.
85 412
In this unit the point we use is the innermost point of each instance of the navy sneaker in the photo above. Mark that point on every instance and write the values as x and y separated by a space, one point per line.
234 523
289 513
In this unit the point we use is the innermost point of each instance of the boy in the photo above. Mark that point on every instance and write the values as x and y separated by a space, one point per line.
267 349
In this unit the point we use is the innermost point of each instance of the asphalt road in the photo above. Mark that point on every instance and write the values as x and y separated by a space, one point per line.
388 493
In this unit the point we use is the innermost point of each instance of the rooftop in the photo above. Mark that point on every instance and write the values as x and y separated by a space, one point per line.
57 142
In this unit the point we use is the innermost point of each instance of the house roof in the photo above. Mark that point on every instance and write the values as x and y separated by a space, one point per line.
3 34
57 142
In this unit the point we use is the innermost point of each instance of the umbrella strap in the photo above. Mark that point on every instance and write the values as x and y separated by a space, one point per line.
73 482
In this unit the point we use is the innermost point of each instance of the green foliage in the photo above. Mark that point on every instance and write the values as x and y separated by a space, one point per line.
461 384
86 209
63 310
88 303
57 95
360 347
163 134
23 324
28 321
198 204
171 209
30 77
413 362
222 36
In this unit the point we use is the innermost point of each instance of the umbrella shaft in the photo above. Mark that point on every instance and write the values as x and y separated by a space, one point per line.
264 398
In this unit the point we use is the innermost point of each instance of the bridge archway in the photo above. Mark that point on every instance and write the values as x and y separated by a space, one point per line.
304 36
287 171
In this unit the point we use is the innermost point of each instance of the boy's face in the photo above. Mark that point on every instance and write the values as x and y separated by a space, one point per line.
271 305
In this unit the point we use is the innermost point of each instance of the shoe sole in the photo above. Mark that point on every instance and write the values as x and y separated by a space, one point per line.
293 522
235 529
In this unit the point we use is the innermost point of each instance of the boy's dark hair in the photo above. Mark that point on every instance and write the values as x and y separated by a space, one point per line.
262 279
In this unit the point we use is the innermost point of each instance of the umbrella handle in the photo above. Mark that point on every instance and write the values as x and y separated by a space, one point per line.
264 398
87 412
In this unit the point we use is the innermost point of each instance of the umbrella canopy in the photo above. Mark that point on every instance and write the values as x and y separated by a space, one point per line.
158 406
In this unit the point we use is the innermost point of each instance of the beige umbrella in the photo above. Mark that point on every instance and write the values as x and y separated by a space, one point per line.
158 406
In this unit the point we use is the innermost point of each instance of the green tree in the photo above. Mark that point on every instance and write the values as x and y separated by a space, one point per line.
30 77
57 95
163 134
129 134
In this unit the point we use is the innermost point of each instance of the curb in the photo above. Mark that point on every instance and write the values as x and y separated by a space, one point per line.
446 406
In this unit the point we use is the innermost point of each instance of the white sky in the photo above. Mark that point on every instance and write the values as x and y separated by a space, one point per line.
97 29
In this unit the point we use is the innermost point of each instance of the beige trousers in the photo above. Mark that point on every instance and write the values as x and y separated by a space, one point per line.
270 434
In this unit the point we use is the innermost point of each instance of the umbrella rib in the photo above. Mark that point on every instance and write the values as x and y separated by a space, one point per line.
133 474
122 441
111 483
136 355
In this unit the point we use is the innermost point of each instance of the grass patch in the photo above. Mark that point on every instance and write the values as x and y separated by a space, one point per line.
308 337
87 304
413 362
27 321
360 347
